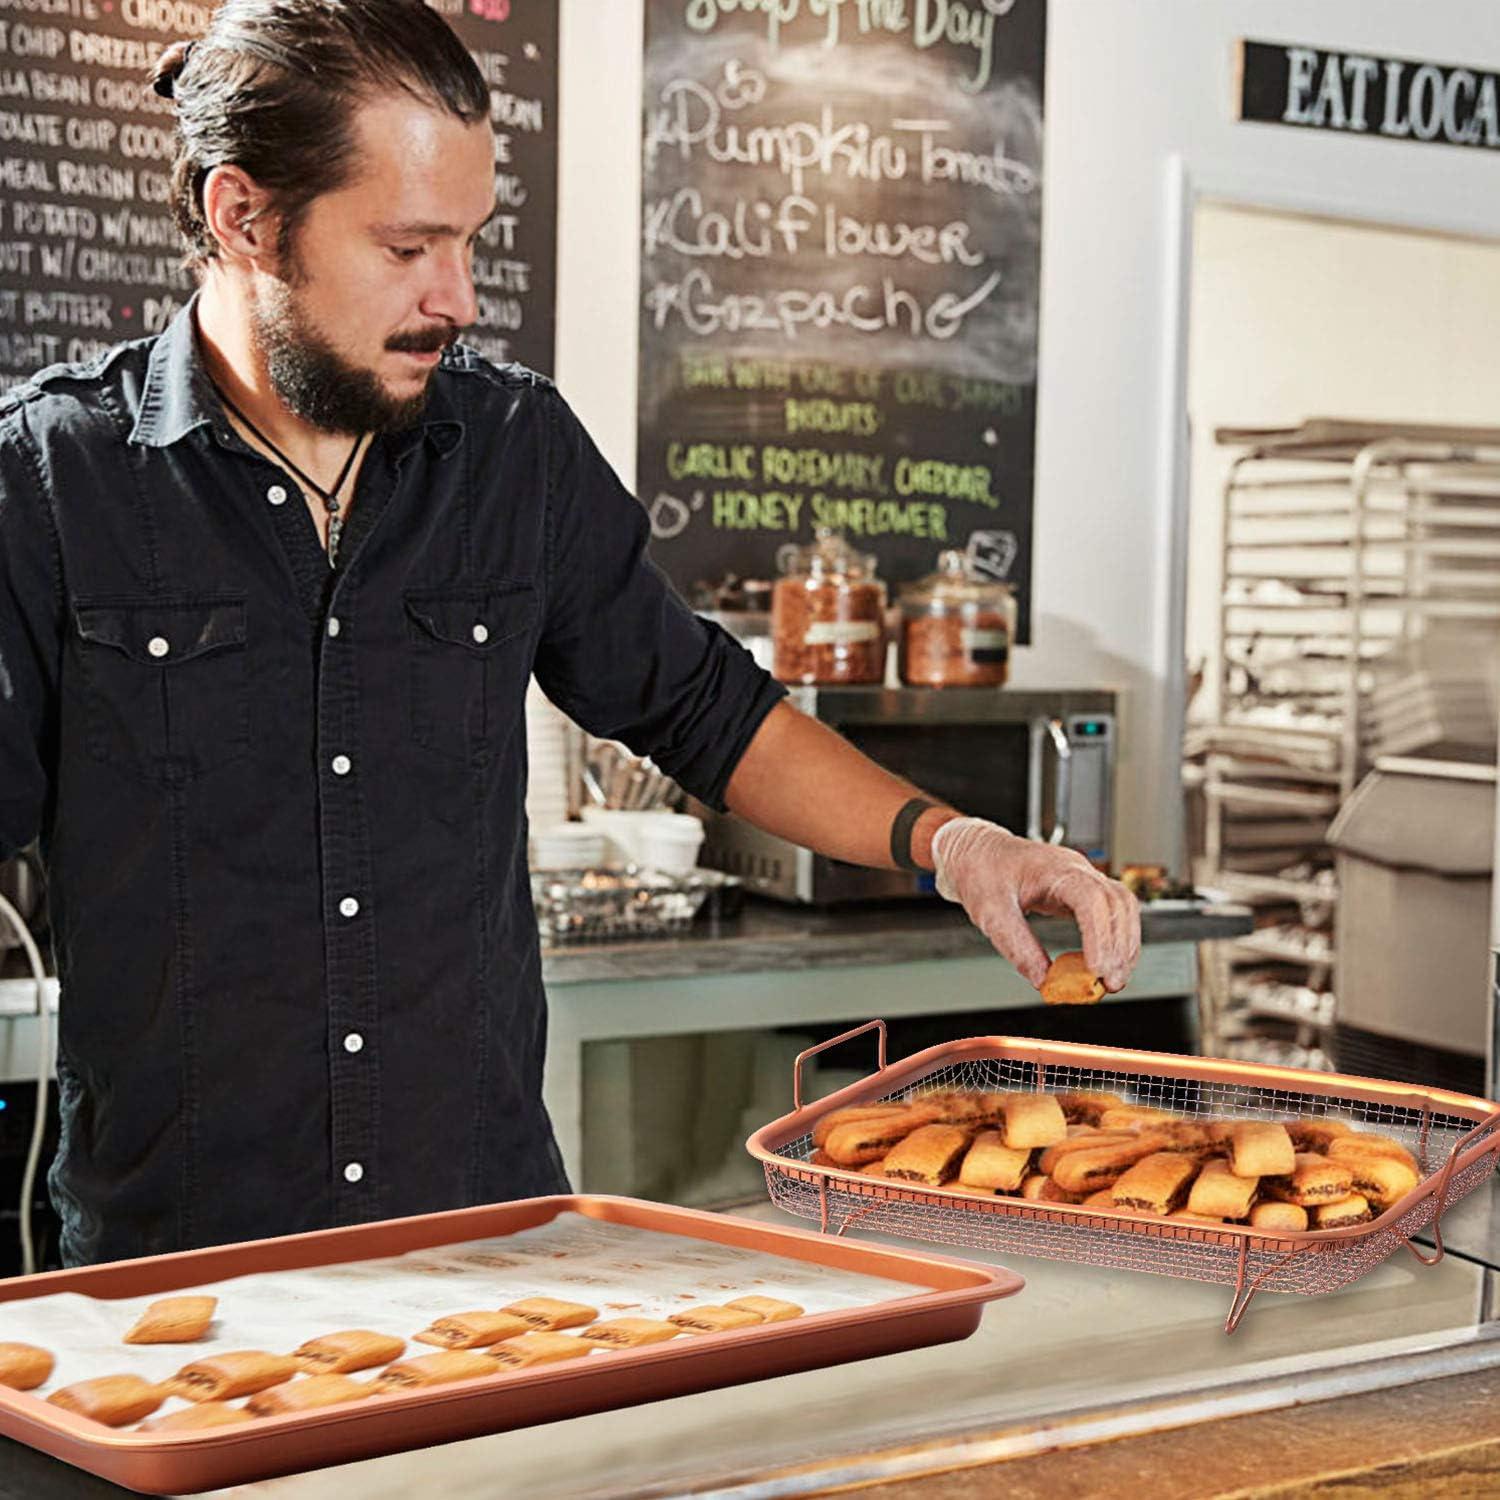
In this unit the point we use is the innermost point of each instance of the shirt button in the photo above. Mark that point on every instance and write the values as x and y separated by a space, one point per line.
158 646
349 906
342 765
354 1042
333 625
276 494
481 633
353 1172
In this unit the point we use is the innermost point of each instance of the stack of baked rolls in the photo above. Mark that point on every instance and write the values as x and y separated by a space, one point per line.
229 1388
1095 1150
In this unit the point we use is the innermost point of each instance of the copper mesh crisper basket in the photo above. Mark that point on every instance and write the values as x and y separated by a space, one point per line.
1453 1136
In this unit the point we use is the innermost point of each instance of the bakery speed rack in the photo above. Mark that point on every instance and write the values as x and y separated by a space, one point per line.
1455 1139
1349 551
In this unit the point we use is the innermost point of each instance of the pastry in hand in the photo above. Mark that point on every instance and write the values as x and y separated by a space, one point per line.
114 1400
173 1320
1315 1179
23 1367
1156 1184
1261 1148
346 1351
434 1369
550 1315
308 1394
629 1333
1032 1120
1217 1193
472 1330
990 1163
713 1319
1270 1215
192 1418
529 1349
772 1309
929 1155
222 1377
1070 981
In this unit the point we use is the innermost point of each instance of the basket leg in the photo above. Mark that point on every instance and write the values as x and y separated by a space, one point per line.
1244 1291
823 1205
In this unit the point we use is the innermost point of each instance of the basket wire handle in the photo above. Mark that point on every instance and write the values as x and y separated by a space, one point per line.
1440 1192
833 1042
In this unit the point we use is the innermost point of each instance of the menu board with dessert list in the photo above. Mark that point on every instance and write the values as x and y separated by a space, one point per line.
840 252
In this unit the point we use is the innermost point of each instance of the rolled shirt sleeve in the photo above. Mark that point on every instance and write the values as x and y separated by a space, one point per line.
621 653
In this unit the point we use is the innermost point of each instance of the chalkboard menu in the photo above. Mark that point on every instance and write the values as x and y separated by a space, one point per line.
841 229
88 251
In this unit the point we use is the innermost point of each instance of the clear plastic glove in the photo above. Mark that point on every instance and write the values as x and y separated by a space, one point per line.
998 877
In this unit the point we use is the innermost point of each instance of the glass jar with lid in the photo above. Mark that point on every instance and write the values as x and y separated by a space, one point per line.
956 627
827 614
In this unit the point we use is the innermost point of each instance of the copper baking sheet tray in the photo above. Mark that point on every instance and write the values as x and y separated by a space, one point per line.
934 1300
1454 1137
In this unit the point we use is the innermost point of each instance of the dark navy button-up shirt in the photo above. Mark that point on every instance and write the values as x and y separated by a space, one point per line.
282 807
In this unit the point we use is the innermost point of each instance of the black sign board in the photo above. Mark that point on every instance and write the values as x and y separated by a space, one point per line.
88 251
841 229
1392 98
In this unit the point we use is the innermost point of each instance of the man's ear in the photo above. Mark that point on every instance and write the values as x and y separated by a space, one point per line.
237 211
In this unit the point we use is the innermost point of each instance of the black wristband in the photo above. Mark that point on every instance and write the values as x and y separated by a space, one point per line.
901 829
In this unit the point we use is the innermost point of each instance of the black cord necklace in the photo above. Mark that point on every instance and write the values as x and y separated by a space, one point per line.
330 498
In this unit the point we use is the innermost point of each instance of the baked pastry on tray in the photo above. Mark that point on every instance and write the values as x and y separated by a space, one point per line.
348 1350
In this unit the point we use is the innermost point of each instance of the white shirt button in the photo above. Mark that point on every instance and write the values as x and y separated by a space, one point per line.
342 765
481 632
333 625
157 645
353 1172
349 906
276 494
354 1042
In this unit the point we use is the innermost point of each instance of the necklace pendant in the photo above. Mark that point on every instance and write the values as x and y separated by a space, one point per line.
335 530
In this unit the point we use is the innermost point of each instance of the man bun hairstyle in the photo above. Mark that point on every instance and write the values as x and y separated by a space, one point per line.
273 86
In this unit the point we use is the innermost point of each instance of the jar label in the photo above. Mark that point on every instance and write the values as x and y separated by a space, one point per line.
990 648
841 633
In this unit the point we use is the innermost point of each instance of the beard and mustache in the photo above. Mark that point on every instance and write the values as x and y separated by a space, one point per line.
316 383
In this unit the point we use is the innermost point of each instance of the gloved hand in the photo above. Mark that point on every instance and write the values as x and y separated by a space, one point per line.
998 877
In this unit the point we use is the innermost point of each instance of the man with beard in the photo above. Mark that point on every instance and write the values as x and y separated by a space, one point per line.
274 584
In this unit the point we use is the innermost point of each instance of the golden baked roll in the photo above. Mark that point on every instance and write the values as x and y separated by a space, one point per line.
1218 1193
434 1369
1315 1132
1261 1148
1156 1184
1135 1117
1187 1136
1034 1185
1316 1179
1384 1180
861 1141
1359 1144
966 1191
1104 1198
173 1320
346 1351
222 1377
550 1315
529 1349
849 1115
114 1400
1085 1172
1084 1106
629 1333
1032 1120
1187 1216
23 1367
990 1163
929 1155
308 1394
772 1309
1070 981
1355 1209
1272 1215
874 1168
192 1418
961 1107
713 1319
472 1330
1086 1140
1052 1191
821 1158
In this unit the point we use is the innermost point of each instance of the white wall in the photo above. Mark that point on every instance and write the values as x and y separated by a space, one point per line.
1131 86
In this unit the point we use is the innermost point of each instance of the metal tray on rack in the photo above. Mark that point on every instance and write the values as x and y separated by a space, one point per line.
1455 1138
605 906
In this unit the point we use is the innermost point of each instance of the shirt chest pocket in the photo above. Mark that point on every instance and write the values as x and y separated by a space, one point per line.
165 684
470 659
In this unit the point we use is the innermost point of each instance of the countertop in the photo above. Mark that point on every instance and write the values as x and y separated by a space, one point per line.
770 936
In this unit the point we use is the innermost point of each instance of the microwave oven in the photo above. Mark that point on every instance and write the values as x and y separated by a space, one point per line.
1039 763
